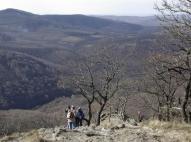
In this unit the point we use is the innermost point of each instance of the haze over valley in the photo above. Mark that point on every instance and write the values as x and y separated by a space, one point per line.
34 46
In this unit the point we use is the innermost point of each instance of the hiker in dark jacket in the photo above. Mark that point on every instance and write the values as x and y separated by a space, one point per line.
79 117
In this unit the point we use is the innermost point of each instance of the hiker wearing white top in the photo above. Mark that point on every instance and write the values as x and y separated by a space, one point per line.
71 119
73 109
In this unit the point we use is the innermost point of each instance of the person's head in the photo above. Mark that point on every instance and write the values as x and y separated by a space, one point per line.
79 109
72 107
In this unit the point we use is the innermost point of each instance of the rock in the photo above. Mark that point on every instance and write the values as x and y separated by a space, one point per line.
120 126
93 126
90 134
48 134
115 128
59 131
132 122
82 129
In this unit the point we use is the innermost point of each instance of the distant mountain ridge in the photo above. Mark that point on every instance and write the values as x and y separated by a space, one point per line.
144 21
25 19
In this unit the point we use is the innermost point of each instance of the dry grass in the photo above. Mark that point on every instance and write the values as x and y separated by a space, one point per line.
174 125
25 120
47 116
109 124
181 131
31 136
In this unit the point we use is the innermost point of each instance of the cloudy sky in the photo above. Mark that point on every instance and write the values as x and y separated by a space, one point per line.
98 7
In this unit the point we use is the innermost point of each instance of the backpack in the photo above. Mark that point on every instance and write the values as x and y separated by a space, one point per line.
71 115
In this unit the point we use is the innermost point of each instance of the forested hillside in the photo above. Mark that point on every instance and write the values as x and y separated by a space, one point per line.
34 49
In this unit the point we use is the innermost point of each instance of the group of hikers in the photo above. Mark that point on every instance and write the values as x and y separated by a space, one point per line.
74 117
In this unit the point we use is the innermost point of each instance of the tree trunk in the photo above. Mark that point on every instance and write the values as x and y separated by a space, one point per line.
168 113
189 117
184 107
167 108
110 113
89 113
159 113
185 102
99 113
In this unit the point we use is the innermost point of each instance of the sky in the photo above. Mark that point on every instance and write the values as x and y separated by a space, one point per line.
87 7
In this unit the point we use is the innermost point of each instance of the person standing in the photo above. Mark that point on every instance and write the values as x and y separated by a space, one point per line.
79 117
73 109
67 109
71 119
140 116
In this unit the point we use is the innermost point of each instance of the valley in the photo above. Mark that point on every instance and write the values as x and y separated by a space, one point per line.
35 49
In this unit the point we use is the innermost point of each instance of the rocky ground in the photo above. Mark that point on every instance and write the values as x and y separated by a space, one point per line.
113 131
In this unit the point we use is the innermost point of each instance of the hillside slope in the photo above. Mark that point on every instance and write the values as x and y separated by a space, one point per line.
26 81
117 132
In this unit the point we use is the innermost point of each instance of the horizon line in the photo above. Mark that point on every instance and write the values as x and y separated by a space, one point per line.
117 15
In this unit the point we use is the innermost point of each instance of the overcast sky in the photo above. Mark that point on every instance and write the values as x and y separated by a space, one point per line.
88 7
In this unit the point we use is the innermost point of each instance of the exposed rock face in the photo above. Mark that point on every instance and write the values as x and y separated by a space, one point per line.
123 132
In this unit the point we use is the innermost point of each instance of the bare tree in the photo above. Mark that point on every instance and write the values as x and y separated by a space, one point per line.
84 81
162 85
175 17
121 106
110 84
98 80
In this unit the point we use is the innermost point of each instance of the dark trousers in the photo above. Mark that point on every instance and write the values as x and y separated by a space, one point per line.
78 122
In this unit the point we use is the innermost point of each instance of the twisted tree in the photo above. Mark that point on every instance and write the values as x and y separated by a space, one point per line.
97 79
175 16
